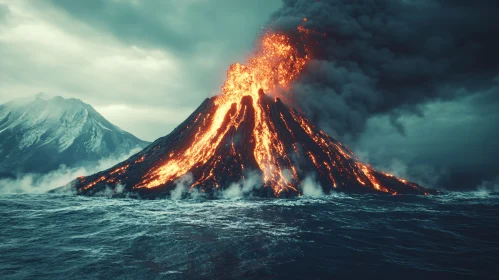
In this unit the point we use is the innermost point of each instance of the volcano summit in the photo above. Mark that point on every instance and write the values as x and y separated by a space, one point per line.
242 134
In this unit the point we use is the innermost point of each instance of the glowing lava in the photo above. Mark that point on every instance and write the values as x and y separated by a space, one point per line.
276 63
242 130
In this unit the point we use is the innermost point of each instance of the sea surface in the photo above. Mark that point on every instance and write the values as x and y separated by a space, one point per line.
450 236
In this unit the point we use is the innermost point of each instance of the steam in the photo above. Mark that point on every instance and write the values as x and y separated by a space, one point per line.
37 183
310 187
424 175
109 192
489 186
181 186
196 194
244 187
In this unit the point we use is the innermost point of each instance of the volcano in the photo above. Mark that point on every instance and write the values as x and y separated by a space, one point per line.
245 133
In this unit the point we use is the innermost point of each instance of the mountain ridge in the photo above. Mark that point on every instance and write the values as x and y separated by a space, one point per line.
39 134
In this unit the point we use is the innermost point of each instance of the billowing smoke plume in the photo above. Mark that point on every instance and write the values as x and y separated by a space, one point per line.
391 59
389 56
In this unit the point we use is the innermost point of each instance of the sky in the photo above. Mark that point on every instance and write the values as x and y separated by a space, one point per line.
411 86
144 65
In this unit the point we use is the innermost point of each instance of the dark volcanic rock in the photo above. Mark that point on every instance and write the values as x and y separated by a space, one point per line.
307 152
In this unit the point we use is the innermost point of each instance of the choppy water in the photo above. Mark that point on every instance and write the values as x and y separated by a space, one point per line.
454 236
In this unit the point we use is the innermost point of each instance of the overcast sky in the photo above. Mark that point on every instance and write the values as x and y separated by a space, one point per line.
411 86
144 65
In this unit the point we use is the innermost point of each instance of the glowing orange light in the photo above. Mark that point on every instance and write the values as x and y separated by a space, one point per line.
271 68
275 64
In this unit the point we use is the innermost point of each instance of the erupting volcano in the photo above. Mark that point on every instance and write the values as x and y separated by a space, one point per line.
245 131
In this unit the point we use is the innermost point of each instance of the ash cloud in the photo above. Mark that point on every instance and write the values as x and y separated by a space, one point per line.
376 57
392 59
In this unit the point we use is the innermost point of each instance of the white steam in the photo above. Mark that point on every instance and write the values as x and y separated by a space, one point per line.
196 194
36 183
311 188
110 192
245 186
487 187
181 186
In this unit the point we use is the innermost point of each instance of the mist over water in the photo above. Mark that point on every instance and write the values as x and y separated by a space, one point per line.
451 236
41 183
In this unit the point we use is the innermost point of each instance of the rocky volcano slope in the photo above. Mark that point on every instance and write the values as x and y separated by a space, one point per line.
293 150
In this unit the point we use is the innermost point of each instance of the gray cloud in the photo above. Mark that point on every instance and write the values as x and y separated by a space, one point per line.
386 56
392 61
4 13
206 35
452 144
133 60
179 26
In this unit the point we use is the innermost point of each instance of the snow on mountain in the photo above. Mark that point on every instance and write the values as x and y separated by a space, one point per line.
40 134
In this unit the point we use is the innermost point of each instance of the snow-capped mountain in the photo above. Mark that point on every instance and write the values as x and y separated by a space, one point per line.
40 134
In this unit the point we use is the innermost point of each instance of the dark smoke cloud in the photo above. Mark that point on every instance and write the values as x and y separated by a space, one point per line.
378 57
392 60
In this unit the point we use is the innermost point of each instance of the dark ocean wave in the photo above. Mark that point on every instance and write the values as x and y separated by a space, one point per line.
452 236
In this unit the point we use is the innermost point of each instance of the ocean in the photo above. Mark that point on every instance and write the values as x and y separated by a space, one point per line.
449 236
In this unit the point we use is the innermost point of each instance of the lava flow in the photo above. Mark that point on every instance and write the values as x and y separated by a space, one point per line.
244 130
275 64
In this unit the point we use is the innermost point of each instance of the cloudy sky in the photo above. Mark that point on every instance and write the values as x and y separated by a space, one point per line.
144 65
411 86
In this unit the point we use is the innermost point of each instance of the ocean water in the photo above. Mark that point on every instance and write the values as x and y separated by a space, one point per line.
451 236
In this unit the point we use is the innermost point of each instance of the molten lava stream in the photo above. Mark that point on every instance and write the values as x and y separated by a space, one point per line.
209 144
275 64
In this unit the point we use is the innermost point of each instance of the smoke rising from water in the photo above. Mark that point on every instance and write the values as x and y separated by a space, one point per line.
251 181
491 186
42 183
181 186
312 188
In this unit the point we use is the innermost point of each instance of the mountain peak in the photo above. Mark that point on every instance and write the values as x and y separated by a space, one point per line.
64 130
57 99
